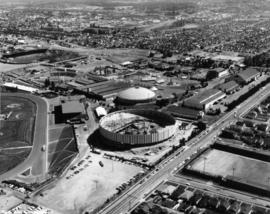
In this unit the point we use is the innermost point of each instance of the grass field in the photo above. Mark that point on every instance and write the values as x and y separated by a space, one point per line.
51 56
222 163
11 158
16 132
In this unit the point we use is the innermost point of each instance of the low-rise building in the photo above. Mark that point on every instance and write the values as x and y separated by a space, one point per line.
247 76
182 112
229 87
204 100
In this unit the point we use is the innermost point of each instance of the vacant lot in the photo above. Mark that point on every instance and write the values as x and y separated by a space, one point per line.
217 162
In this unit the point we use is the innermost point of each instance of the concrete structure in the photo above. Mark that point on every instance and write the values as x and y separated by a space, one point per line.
135 95
137 127
204 100
20 87
100 111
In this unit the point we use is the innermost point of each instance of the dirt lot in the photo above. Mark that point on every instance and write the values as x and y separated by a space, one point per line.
223 163
8 201
90 187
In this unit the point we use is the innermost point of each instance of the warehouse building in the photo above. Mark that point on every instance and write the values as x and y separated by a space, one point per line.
105 90
70 111
204 100
246 76
229 87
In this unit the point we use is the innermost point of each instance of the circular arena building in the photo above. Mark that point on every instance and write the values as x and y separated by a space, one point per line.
135 95
129 128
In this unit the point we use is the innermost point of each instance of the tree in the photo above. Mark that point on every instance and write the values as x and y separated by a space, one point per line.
47 82
201 125
211 74
52 85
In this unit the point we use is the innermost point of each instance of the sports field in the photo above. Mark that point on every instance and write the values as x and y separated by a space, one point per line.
222 163
16 130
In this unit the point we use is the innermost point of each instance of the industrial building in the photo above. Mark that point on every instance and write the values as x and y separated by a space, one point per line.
135 95
229 87
70 111
183 112
107 89
204 100
130 128
247 76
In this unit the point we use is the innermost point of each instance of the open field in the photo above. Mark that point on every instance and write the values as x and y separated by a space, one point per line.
8 201
90 187
116 55
222 163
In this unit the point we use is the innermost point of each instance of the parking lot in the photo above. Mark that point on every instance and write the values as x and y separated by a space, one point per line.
98 176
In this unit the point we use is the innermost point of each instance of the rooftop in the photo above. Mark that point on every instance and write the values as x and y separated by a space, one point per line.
206 96
229 85
136 93
70 107
248 73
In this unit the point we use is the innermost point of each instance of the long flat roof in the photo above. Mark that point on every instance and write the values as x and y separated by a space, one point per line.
182 111
229 85
207 95
72 107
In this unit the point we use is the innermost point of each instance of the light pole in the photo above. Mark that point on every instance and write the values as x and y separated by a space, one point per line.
233 171
204 160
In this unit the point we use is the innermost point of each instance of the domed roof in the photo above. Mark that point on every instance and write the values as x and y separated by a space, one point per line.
136 94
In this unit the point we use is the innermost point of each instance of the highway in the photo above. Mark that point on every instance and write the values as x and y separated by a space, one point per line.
134 195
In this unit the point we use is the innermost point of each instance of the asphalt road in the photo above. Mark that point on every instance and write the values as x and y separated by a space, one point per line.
40 139
134 195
